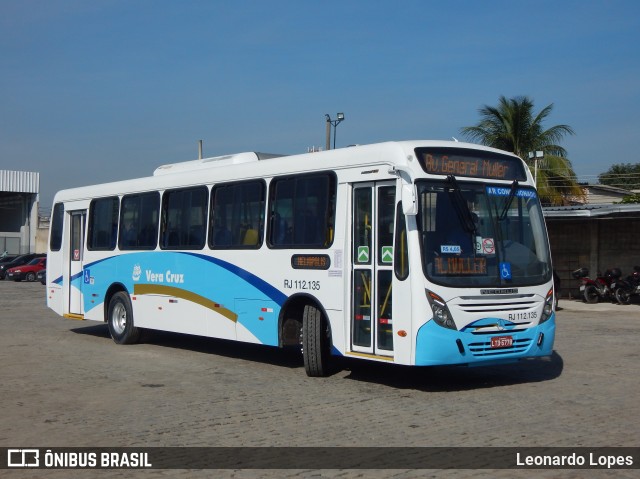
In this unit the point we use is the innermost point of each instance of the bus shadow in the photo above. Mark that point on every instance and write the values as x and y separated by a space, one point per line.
289 358
97 330
456 378
427 379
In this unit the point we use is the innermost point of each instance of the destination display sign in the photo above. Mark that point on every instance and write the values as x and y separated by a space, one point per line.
471 163
310 261
460 266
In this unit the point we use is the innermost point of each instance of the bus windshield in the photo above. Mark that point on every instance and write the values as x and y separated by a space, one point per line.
482 235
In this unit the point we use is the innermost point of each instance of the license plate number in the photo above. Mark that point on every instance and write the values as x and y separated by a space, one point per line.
582 288
502 341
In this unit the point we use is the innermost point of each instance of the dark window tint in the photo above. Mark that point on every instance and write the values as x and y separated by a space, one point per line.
77 232
362 214
401 252
57 220
184 218
237 215
302 211
139 221
103 224
386 210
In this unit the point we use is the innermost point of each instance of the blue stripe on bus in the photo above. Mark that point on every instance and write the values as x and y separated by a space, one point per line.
250 278
258 283
255 302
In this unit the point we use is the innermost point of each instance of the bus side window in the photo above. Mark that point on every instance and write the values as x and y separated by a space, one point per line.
139 221
237 215
57 219
302 211
184 213
103 215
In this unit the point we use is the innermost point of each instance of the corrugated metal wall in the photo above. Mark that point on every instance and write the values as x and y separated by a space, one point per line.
19 181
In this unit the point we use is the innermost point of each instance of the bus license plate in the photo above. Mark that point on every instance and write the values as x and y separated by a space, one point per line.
502 342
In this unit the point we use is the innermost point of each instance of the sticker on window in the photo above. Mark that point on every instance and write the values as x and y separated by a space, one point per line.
449 248
505 270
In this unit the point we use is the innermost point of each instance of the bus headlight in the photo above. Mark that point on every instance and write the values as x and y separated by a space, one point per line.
547 310
441 314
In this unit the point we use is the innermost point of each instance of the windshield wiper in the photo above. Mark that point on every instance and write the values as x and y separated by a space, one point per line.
460 204
512 195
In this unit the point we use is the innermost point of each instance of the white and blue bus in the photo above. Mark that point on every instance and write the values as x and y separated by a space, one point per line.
417 253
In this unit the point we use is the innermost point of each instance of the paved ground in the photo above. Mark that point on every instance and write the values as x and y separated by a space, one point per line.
65 383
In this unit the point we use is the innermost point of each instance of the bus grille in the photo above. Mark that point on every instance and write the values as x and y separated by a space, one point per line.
467 311
480 304
483 349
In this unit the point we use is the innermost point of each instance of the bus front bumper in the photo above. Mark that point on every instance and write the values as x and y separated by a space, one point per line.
436 345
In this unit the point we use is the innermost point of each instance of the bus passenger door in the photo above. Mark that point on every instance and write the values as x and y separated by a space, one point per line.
76 254
372 268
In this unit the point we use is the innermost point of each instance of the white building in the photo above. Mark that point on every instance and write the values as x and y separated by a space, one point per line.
19 195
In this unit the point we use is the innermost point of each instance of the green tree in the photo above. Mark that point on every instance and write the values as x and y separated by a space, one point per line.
514 126
632 198
622 175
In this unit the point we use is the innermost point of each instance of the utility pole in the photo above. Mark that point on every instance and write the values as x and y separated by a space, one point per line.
338 120
535 156
328 133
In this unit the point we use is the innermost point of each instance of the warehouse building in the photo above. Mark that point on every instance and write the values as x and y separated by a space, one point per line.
597 237
19 196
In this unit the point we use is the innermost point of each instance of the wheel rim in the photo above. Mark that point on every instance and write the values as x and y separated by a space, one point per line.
119 318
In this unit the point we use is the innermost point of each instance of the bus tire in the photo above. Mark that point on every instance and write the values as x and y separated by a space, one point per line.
120 319
315 342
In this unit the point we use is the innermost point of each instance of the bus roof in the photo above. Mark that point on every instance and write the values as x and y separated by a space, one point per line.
214 162
244 166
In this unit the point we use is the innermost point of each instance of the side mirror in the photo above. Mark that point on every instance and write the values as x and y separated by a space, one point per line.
409 200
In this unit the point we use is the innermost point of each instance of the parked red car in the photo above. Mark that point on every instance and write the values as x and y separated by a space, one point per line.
27 271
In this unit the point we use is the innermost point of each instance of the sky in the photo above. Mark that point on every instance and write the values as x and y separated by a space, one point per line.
105 90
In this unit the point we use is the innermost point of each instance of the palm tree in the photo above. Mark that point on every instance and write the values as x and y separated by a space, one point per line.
513 126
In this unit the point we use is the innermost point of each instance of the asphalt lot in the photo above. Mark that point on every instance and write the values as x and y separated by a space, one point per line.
65 383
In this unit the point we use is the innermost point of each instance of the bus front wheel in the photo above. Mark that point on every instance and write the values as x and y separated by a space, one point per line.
315 342
120 320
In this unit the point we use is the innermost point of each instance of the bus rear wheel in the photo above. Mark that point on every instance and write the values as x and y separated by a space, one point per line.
315 342
120 320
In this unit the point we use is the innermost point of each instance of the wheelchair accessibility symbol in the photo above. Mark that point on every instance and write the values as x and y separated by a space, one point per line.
505 270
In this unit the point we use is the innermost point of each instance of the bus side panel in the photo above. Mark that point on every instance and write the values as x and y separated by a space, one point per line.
55 294
189 293
60 286
176 314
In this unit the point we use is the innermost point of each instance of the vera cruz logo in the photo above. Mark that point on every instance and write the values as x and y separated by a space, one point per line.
137 272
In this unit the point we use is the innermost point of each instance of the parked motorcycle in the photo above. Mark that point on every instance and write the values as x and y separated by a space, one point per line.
624 289
594 290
